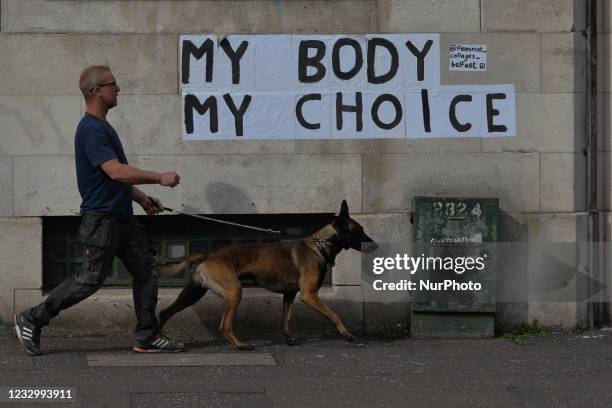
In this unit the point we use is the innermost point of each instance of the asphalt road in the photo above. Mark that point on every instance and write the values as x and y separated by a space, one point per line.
571 370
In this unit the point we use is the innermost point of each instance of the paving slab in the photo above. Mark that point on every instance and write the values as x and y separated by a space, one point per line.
178 359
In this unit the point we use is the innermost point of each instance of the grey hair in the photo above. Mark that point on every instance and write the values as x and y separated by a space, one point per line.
90 77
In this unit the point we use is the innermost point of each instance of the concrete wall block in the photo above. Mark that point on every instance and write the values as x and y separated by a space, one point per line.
302 16
510 314
222 17
20 259
442 145
347 270
604 122
392 181
542 276
21 252
148 124
45 185
512 58
606 14
35 64
525 15
604 63
545 123
560 227
604 188
110 312
151 124
563 182
563 62
6 186
212 184
259 183
400 16
541 259
38 124
557 314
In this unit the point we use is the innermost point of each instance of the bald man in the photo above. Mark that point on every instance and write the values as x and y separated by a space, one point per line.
107 185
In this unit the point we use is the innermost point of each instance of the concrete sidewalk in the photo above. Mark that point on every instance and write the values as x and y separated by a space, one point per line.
572 370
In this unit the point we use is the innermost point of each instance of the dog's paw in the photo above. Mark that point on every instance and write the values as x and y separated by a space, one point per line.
349 337
291 341
245 347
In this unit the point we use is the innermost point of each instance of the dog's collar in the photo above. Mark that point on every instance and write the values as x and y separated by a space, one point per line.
326 256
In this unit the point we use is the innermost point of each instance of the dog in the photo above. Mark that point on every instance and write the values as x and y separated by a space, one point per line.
286 267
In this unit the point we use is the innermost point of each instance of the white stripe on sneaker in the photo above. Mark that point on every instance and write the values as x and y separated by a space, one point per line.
156 342
27 330
164 344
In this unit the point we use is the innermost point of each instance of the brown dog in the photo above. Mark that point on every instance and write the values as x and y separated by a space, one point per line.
286 267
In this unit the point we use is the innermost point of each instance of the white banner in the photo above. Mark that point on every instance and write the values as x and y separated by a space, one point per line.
331 87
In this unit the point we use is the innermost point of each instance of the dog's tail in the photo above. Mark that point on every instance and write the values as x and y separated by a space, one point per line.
174 268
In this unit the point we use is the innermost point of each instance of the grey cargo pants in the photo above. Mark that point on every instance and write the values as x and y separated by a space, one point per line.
103 237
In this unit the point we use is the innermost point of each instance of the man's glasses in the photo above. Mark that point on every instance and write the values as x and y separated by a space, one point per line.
114 83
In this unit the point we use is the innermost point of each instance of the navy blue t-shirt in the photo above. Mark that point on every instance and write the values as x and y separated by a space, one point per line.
95 143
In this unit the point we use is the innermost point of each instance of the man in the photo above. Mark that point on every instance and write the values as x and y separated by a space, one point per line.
108 227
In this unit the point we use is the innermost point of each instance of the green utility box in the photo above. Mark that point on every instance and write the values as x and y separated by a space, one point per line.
447 230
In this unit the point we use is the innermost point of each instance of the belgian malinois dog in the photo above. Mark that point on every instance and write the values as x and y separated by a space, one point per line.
286 267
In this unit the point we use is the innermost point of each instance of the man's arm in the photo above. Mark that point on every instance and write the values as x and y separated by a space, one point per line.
151 205
124 173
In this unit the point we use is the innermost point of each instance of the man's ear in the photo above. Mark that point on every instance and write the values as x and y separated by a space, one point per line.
344 212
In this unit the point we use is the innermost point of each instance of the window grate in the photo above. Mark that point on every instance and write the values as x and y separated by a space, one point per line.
174 236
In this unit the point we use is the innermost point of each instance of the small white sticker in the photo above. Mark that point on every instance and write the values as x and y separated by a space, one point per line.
466 57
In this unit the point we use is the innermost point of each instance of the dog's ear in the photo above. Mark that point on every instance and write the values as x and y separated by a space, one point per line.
344 210
340 224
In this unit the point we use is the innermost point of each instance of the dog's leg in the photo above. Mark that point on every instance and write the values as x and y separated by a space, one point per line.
312 299
232 299
191 293
221 278
288 299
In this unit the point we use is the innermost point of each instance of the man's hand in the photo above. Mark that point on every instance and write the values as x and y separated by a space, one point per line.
152 205
169 179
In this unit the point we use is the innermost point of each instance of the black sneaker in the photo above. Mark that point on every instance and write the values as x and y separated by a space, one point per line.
28 334
159 344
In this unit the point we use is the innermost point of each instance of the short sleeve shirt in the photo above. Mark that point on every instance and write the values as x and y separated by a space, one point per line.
95 143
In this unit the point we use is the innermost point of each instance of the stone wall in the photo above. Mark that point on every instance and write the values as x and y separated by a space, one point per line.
539 175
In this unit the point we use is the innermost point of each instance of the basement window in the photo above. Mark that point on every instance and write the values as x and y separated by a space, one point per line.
174 237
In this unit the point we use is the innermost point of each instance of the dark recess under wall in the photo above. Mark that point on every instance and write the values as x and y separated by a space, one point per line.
174 236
